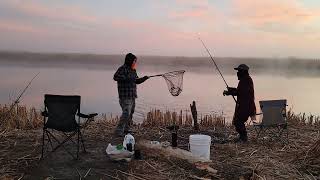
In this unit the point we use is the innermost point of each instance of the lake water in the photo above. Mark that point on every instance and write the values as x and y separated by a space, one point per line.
99 91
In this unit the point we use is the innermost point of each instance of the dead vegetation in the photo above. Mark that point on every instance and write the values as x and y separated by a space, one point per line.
20 145
20 117
156 117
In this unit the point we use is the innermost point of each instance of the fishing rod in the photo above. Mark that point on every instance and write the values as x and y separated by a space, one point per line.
214 62
20 95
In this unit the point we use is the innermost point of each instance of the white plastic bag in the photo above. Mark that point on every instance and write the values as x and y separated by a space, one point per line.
118 155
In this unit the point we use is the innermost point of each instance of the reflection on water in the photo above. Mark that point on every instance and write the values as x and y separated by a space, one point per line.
99 91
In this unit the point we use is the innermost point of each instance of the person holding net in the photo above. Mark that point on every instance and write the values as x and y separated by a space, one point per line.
127 80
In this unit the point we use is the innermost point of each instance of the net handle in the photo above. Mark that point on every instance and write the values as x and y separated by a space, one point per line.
166 73
156 75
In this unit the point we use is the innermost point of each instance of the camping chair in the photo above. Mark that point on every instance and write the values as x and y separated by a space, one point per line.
274 119
60 115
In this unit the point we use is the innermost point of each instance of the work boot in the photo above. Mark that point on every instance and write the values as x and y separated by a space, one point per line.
240 139
244 138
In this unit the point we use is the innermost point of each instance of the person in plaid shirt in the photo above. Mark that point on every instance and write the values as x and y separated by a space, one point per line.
127 79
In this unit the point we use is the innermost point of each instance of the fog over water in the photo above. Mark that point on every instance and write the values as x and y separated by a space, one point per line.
91 76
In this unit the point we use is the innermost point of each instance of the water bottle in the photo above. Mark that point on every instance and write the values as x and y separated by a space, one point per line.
128 142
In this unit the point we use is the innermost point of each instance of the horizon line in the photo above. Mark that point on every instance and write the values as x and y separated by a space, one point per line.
150 55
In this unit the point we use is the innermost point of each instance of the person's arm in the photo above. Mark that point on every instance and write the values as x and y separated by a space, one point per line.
231 92
141 80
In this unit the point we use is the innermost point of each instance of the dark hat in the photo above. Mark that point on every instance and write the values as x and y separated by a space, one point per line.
242 67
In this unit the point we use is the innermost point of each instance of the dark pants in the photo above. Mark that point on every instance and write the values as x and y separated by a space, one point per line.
239 123
127 106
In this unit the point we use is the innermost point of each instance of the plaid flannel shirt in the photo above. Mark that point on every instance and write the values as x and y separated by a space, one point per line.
126 78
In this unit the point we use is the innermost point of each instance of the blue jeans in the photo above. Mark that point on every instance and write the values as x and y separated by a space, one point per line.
127 106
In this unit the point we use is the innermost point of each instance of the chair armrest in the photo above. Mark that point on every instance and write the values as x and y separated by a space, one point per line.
45 113
87 115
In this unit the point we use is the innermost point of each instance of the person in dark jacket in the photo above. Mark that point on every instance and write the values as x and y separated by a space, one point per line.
245 106
127 80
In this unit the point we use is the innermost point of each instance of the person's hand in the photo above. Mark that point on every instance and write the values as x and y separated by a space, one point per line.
225 92
230 89
146 77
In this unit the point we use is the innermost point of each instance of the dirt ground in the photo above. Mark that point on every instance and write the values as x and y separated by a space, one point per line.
20 151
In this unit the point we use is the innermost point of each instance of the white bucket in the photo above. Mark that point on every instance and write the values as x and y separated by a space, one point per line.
200 145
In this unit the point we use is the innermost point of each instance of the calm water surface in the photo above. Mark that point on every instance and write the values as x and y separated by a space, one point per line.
99 91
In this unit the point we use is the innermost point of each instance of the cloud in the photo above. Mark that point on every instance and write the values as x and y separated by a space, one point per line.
39 11
191 10
193 3
6 25
245 27
273 15
194 13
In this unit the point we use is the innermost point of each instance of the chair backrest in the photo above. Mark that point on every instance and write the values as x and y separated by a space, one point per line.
61 112
274 112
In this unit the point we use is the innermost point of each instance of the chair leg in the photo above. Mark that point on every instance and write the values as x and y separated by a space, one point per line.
49 139
62 144
78 143
42 152
66 135
82 142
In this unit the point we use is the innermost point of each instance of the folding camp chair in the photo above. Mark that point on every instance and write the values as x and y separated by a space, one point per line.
274 120
60 115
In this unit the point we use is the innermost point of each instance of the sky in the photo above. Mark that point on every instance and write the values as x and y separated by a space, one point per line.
230 28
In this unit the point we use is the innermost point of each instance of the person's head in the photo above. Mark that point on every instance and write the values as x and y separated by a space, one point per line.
130 60
243 70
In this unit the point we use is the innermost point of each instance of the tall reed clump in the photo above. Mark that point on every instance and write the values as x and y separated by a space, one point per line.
303 119
20 117
110 119
156 117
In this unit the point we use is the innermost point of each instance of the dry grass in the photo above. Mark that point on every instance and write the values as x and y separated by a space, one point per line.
256 160
184 118
303 119
20 117
299 159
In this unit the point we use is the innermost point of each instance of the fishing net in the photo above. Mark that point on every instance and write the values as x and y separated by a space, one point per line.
174 81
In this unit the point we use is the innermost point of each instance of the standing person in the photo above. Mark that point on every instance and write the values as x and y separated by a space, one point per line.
127 80
245 106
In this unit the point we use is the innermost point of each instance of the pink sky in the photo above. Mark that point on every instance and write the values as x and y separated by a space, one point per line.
246 28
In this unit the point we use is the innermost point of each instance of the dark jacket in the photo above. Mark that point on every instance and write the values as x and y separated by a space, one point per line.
245 94
127 80
245 106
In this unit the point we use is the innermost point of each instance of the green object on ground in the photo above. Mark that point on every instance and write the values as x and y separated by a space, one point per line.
119 147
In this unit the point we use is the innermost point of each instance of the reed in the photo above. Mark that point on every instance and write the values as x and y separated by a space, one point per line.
110 119
20 117
302 119
156 117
